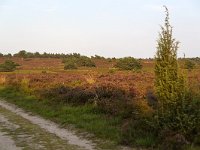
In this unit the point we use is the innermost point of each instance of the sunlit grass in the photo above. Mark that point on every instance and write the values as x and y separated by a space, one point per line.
86 117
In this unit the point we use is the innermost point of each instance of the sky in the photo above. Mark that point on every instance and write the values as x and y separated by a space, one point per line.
110 28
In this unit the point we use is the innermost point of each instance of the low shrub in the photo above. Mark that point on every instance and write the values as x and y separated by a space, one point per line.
8 66
85 62
189 64
68 95
70 65
108 99
78 61
114 100
128 63
173 131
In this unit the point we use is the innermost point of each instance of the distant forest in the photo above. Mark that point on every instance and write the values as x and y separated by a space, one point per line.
26 54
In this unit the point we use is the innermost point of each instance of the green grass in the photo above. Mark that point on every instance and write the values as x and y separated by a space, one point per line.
86 118
146 141
29 136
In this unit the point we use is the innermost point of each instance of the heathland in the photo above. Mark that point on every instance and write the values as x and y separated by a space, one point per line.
102 99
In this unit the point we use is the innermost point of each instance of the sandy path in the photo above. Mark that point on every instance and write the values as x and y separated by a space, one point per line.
34 132
6 143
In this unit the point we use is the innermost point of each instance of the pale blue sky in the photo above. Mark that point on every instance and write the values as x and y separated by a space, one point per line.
112 28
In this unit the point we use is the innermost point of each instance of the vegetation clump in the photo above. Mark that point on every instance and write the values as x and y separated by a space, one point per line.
128 63
170 87
85 62
73 61
8 66
70 65
189 64
173 113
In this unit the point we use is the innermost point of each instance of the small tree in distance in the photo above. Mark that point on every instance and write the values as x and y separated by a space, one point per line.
8 66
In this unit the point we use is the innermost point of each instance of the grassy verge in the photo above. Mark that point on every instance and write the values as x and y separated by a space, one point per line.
87 117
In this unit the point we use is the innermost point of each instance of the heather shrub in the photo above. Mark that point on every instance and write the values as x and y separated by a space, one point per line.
114 100
12 81
68 95
107 99
78 96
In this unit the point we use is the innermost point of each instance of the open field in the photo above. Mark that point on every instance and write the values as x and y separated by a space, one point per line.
119 93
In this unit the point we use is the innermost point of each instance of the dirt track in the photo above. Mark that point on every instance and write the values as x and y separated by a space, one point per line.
20 130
